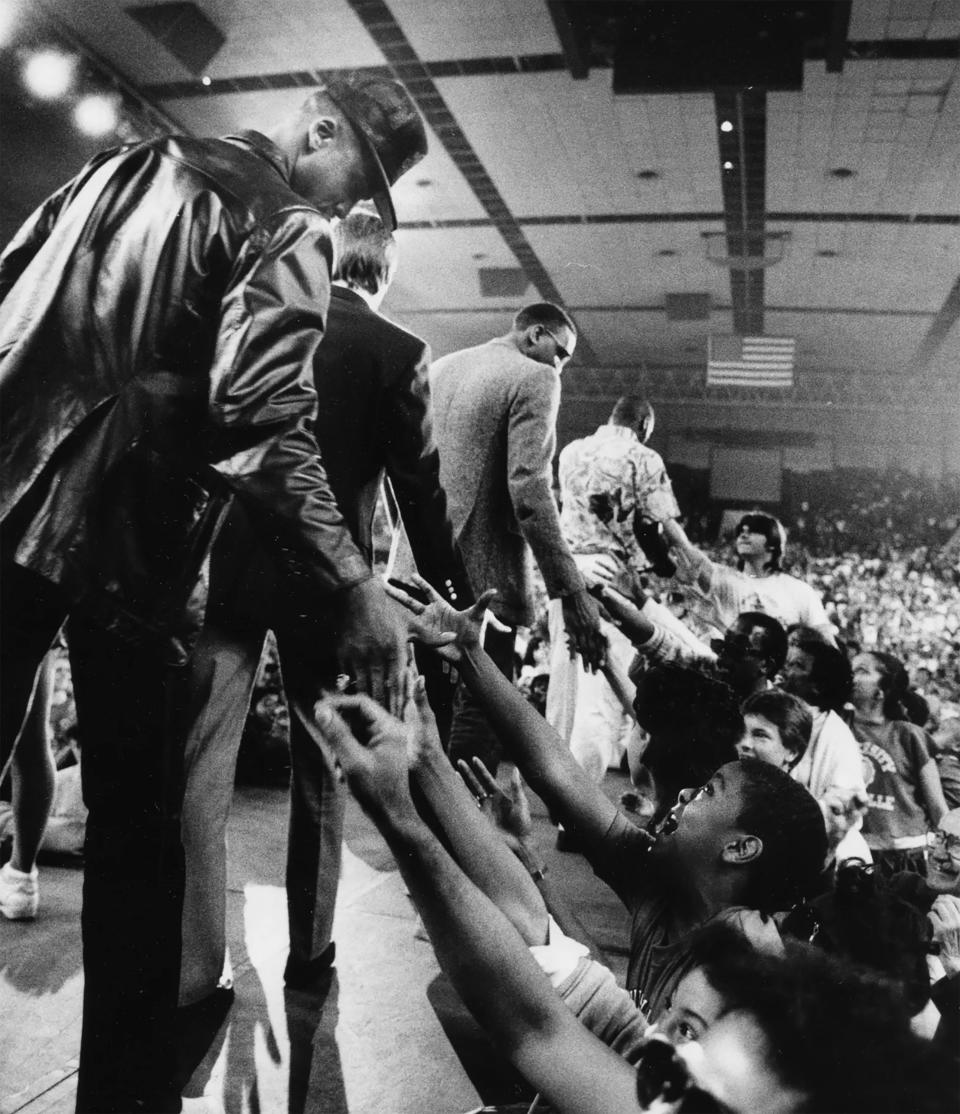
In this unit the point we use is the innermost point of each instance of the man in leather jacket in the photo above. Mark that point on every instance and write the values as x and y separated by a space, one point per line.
158 321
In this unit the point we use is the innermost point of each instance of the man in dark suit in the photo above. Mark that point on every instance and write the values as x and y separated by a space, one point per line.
374 419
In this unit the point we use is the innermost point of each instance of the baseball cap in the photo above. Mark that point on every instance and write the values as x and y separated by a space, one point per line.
390 129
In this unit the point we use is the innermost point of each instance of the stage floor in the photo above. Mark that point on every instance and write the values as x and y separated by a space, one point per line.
389 1036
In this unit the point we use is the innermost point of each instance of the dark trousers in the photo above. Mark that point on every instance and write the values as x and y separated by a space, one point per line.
470 732
127 712
130 710
31 612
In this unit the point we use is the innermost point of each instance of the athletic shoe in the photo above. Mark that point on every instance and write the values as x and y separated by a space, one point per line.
19 893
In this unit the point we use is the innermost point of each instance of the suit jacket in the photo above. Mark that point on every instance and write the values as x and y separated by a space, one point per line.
373 419
157 328
495 413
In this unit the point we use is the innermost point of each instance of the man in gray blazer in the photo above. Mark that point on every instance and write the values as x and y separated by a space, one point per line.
495 410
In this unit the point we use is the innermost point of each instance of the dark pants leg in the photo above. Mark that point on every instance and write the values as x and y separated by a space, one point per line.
470 733
31 611
317 802
131 721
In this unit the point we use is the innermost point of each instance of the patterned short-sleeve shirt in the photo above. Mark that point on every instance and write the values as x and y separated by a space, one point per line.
606 480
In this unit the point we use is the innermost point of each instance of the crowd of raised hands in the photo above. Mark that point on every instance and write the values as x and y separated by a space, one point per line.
750 1012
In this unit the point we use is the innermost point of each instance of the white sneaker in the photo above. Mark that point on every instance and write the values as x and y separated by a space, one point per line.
19 894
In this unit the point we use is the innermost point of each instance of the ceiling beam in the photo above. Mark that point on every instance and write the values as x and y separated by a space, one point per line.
406 65
576 57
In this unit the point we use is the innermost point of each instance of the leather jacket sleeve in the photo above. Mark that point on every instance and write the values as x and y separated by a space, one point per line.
34 232
263 399
413 465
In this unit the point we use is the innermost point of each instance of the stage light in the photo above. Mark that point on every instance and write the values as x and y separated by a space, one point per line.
48 74
9 18
206 80
728 165
96 115
726 126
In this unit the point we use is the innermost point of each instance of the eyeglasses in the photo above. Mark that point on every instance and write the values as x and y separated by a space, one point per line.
562 353
944 842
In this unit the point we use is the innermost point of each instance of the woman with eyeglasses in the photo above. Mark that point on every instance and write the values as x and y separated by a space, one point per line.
905 798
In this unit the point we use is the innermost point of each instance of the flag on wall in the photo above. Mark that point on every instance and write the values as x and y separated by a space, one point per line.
750 361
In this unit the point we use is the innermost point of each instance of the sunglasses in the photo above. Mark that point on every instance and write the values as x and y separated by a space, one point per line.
562 353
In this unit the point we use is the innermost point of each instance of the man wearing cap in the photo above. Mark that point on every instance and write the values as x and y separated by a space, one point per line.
158 319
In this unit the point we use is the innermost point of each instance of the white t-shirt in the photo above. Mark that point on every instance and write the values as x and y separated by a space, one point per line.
786 598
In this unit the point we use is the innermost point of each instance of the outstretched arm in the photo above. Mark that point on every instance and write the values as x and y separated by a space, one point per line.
482 854
481 953
546 764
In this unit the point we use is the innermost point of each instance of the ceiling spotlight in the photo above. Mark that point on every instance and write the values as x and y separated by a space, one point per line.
665 252
96 115
726 126
479 255
728 165
48 74
206 79
424 182
842 172
827 253
648 175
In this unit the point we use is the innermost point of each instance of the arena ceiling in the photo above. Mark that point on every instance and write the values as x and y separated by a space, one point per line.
576 155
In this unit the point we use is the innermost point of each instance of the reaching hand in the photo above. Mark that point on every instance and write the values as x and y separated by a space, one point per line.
841 810
597 568
581 617
372 753
945 918
373 644
440 626
508 808
424 736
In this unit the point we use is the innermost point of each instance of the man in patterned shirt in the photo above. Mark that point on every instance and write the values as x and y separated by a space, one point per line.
607 481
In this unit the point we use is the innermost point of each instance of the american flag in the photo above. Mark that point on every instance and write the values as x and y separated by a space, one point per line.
750 361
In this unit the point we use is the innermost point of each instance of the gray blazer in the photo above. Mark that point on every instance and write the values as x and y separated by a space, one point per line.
495 413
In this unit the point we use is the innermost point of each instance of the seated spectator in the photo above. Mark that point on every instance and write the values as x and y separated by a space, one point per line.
904 797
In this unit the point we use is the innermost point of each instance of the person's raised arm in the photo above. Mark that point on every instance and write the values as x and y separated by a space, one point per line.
693 566
931 791
546 764
479 950
481 852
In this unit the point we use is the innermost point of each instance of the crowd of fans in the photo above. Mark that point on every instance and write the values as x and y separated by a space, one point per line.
775 946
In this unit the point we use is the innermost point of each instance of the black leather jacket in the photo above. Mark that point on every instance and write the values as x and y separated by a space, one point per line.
158 320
